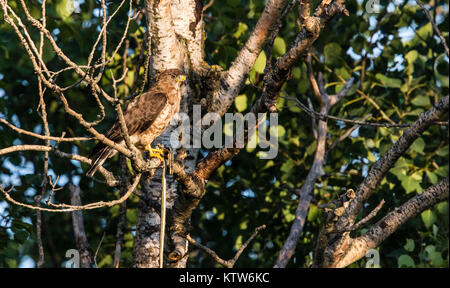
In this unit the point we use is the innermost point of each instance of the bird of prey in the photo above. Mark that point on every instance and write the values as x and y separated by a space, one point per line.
146 117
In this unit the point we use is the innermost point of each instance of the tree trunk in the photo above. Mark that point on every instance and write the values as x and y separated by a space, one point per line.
176 42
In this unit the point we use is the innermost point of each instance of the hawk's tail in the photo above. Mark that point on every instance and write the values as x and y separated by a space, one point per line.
98 156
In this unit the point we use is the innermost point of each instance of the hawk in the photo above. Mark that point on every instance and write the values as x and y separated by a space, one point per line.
146 117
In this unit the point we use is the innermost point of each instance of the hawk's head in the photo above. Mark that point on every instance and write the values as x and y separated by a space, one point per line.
174 76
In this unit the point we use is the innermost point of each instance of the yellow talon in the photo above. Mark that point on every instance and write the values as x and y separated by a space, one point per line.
160 153
155 152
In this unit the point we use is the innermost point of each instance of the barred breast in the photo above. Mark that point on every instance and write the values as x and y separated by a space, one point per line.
157 128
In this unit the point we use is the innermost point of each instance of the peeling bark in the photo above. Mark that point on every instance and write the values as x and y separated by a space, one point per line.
174 45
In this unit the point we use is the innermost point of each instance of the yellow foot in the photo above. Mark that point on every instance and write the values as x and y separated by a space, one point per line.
160 153
155 152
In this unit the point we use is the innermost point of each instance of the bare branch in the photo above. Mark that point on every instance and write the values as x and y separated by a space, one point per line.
366 219
392 221
111 181
121 225
347 133
232 80
436 29
330 254
70 208
98 248
43 137
227 263
323 117
383 165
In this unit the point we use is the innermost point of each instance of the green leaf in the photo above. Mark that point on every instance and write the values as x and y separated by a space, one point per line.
418 145
425 31
411 56
279 46
313 213
434 256
371 157
332 52
296 73
288 215
389 82
443 152
421 101
242 28
47 51
243 225
428 218
432 177
65 8
238 242
436 259
405 261
442 208
260 63
411 184
132 215
280 131
409 246
287 167
241 102
442 171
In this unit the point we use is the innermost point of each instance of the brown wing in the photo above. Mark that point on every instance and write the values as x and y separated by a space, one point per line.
140 115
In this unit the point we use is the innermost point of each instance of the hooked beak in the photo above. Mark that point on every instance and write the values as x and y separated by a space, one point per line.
181 78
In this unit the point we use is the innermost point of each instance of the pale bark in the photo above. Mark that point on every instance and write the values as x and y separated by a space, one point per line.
392 221
335 247
232 80
169 21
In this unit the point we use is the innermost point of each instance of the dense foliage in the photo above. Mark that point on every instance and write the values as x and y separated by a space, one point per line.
400 69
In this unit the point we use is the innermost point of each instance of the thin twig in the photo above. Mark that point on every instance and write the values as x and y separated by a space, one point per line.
70 208
228 263
322 117
43 137
98 248
436 29
347 133
366 219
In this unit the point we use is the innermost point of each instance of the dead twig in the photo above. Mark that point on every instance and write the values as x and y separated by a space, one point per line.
227 263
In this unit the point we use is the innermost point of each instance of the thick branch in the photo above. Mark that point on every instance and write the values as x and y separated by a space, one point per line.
233 79
383 165
392 221
273 82
329 253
